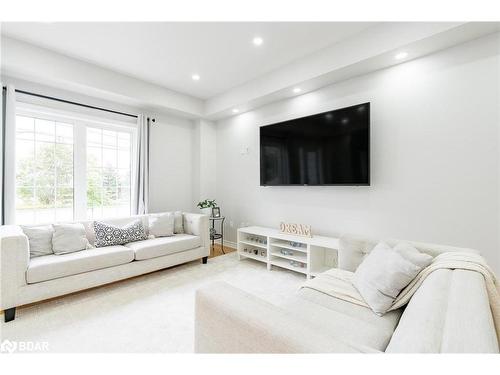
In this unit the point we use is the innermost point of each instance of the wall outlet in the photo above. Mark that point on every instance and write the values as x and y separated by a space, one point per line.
245 150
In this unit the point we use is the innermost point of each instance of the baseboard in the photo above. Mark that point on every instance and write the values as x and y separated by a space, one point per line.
230 244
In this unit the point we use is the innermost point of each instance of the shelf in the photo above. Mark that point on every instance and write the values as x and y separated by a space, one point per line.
299 258
286 245
285 264
253 256
256 244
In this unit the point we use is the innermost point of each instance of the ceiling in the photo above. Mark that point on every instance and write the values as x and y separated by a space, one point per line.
169 53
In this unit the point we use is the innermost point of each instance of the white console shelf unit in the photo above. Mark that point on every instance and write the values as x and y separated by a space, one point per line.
307 255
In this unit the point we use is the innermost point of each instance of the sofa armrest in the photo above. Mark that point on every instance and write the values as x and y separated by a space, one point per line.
197 225
229 320
14 261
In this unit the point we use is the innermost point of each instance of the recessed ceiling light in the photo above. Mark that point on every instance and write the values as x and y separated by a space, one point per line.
257 40
296 90
235 110
401 55
195 77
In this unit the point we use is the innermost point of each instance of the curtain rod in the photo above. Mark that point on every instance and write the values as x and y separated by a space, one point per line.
74 103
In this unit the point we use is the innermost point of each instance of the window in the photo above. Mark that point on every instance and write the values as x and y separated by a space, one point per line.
108 173
71 168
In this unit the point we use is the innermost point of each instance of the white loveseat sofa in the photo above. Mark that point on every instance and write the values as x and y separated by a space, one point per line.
24 280
449 313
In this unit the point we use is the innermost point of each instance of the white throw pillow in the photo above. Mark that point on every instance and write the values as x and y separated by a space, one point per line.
411 254
178 222
40 239
161 225
381 277
68 238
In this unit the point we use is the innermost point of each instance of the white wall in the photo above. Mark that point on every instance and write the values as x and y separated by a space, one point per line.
434 155
204 161
171 160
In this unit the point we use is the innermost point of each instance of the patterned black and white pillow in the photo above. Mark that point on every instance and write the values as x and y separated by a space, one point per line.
110 235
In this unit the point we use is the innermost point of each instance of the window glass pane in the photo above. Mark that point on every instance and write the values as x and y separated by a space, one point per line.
109 138
123 178
108 174
44 171
25 128
94 137
64 133
124 140
124 159
94 157
109 157
64 155
45 130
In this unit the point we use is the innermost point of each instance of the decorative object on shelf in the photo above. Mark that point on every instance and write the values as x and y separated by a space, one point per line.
256 252
286 252
294 263
295 244
206 206
215 211
263 253
296 229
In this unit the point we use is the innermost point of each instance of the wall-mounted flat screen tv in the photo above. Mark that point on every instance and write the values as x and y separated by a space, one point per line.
330 148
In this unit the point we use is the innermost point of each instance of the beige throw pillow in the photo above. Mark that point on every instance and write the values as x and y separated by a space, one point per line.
161 225
68 238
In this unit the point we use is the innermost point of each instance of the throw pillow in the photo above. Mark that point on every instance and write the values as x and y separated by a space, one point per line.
40 239
109 235
68 238
411 254
161 225
381 277
178 222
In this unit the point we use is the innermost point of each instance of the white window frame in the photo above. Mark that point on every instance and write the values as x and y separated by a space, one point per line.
80 123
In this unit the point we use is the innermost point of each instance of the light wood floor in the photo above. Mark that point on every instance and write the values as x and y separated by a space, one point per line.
217 250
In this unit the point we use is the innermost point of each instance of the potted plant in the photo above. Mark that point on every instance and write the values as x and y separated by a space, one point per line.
206 206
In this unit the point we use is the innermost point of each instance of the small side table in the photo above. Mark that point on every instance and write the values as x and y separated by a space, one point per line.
214 235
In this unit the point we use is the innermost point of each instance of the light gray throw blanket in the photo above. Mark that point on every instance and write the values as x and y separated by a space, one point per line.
338 283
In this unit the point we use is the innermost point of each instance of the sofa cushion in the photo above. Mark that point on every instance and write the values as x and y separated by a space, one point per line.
358 324
54 266
158 247
349 328
449 313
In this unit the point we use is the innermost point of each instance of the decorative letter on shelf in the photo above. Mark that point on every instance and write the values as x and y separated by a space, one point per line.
296 229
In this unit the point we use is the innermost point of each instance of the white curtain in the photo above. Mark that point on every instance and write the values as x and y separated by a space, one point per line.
8 142
141 199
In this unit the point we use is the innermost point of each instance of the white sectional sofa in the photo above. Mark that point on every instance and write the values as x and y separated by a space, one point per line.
449 313
25 280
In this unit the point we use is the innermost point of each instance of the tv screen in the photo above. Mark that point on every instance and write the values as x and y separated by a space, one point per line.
330 148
